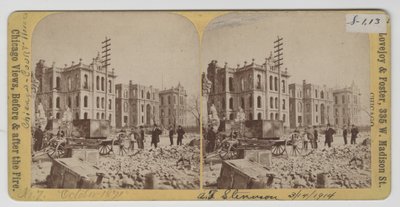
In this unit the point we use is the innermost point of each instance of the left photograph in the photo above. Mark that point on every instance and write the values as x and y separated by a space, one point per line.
116 101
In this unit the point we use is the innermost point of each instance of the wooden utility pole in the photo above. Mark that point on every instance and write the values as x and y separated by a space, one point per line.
106 62
278 62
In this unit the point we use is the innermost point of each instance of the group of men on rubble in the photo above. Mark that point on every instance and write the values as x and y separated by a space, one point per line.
312 137
138 136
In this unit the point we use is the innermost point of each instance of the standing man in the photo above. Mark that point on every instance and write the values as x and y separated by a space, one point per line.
180 133
354 132
329 132
155 136
315 138
141 138
38 136
171 134
345 132
211 139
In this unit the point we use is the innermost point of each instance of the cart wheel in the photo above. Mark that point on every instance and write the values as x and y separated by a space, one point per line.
105 149
60 150
278 149
228 151
295 145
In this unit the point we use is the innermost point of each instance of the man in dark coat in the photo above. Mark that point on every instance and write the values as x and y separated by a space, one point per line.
354 132
155 135
315 138
329 132
141 138
38 136
180 133
171 135
345 132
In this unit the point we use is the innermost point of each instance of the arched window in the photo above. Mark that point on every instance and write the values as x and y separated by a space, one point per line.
98 102
316 107
271 102
251 101
242 102
230 84
77 100
284 117
142 93
102 83
102 116
343 99
230 103
126 107
169 99
322 94
258 81
259 104
283 104
109 117
85 115
259 116
69 84
316 93
276 116
276 103
276 83
148 95
109 86
85 81
58 102
283 86
242 84
85 101
51 102
109 104
97 116
102 103
97 83
58 83
271 83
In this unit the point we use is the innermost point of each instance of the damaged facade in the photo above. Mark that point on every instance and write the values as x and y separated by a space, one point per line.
261 90
173 106
136 105
88 90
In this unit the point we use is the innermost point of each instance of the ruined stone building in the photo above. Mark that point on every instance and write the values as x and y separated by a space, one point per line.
347 106
136 105
173 106
261 90
310 105
88 90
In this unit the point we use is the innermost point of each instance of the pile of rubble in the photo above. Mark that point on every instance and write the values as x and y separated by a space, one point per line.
169 167
339 167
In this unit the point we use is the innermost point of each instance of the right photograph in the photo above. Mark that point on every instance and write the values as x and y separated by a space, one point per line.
285 101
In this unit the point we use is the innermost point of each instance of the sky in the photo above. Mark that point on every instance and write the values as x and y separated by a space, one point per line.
149 48
316 46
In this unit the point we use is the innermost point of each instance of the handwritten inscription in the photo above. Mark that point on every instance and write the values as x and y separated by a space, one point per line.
234 194
366 23
313 195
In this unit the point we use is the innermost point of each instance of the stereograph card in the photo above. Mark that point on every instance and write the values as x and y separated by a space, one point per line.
199 105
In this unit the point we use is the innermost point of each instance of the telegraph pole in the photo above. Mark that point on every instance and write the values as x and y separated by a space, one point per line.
106 62
278 62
